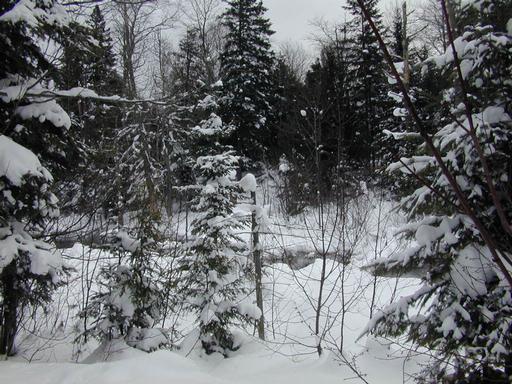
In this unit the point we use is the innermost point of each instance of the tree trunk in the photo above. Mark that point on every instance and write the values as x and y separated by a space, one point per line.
8 311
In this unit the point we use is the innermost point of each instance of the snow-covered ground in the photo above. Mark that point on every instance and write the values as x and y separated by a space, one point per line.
254 363
290 298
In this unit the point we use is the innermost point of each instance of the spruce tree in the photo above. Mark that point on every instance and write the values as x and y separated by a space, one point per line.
246 71
102 73
463 310
91 64
368 90
215 263
129 302
187 74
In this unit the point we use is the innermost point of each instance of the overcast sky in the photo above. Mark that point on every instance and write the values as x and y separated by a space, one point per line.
291 18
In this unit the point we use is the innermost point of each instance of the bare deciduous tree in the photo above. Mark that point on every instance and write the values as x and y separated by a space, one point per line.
135 22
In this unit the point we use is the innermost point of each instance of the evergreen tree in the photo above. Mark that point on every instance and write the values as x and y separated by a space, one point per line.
369 86
102 74
91 64
33 142
246 71
398 35
330 113
187 72
465 303
129 302
215 262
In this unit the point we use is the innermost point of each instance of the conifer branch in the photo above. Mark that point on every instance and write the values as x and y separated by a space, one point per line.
467 209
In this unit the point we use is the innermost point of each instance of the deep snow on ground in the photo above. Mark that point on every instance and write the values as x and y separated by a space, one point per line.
290 296
253 364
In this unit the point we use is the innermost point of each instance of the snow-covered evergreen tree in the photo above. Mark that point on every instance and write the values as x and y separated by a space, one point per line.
129 301
246 71
463 310
33 140
215 262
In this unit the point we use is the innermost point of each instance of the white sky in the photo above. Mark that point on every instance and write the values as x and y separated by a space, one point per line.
291 19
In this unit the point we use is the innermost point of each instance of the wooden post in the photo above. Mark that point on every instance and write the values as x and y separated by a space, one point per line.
256 253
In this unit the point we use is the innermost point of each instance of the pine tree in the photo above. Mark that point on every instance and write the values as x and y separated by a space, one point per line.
215 262
246 71
465 302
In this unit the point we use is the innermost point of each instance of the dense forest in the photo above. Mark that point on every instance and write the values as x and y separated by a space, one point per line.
173 180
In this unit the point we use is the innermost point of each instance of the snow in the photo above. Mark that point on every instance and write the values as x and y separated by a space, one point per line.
248 183
210 127
426 235
448 325
288 358
401 135
147 339
127 242
17 162
249 310
120 299
117 363
400 112
495 114
8 247
43 111
284 165
163 367
30 12
471 270
43 259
